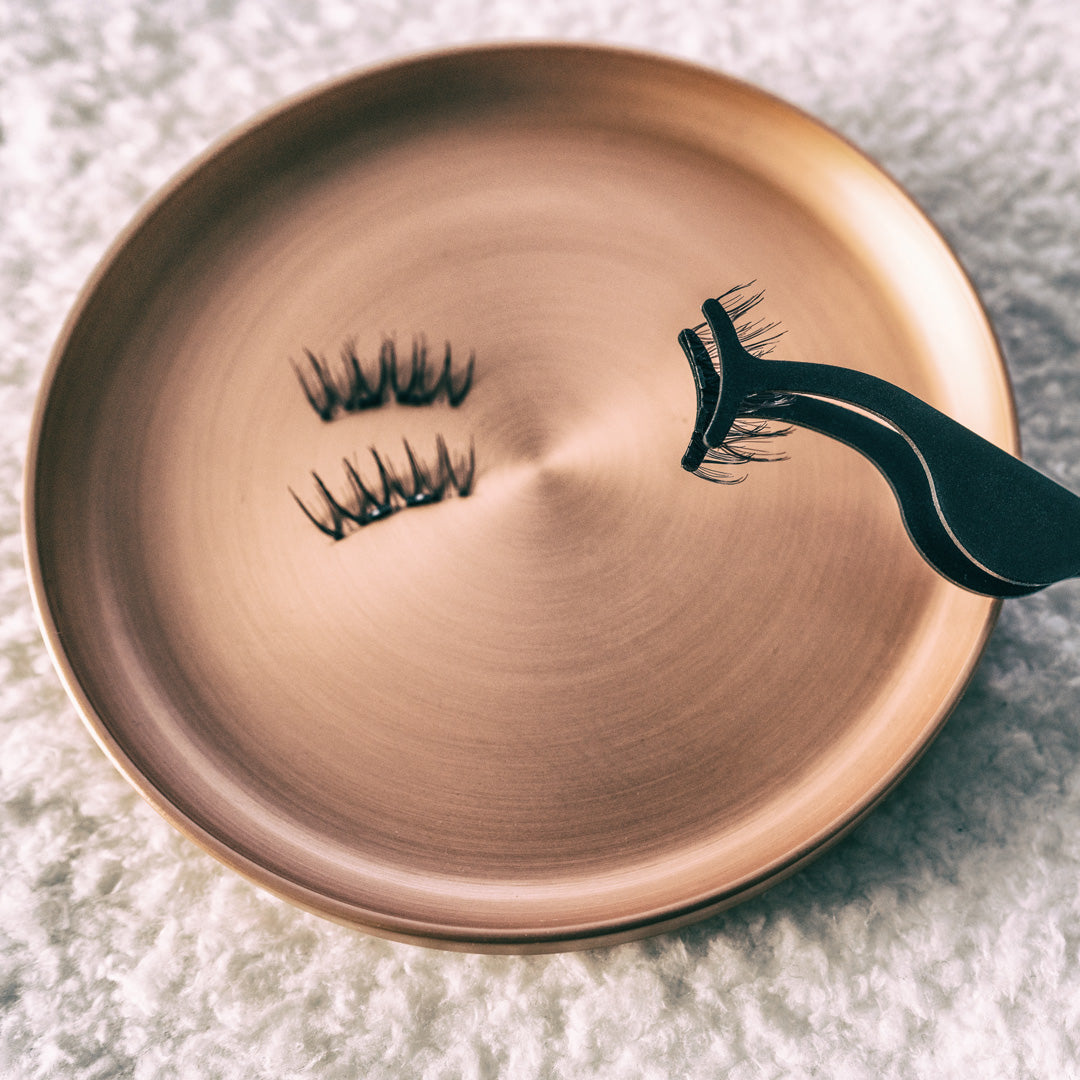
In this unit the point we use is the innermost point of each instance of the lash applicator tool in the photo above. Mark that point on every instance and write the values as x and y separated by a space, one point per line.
981 517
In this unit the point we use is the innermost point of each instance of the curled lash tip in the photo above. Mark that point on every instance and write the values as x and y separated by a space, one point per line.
460 477
335 528
363 504
350 389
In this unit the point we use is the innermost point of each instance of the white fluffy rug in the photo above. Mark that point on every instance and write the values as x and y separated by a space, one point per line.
940 940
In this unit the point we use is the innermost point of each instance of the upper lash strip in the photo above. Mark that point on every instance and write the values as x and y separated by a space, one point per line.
345 387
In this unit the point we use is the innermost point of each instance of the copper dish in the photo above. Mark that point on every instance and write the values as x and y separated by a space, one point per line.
598 698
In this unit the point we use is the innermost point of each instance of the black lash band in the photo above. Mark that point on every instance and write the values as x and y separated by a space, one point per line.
333 390
418 485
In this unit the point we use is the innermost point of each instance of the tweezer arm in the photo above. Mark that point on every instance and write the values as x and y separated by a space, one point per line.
1006 519
903 469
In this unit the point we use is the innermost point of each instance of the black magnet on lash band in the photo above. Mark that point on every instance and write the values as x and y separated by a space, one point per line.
981 517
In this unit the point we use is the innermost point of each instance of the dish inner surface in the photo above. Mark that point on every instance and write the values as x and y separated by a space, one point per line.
595 688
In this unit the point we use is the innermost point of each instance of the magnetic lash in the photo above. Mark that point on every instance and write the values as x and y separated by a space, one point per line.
751 432
345 387
419 484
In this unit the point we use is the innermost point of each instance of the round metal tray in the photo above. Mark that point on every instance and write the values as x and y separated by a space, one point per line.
598 697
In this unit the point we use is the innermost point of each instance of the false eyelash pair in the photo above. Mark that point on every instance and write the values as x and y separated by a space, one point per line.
350 389
363 504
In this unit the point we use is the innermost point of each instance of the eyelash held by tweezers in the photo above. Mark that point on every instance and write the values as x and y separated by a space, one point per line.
362 504
350 389
751 432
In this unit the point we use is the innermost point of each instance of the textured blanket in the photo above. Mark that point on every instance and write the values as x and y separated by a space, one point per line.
939 940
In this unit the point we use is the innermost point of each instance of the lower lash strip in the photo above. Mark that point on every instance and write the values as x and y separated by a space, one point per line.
335 389
748 440
364 501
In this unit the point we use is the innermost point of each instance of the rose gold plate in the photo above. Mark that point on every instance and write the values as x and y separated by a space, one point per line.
599 697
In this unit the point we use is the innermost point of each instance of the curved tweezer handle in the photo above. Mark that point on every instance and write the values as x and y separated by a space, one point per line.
898 461
1014 525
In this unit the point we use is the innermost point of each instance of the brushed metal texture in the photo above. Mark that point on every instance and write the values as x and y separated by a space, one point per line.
597 698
